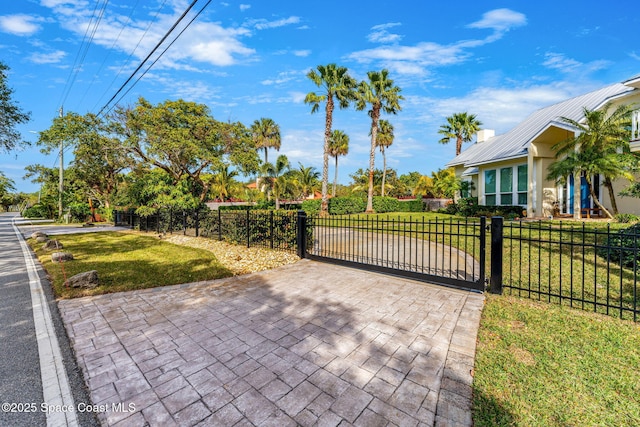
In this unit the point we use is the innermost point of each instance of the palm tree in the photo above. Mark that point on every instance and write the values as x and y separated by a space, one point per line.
336 84
338 146
381 93
384 140
461 127
445 183
423 187
223 184
306 179
266 134
605 134
275 179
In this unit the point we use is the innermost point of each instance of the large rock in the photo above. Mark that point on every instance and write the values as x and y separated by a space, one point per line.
61 256
86 280
42 239
52 245
37 234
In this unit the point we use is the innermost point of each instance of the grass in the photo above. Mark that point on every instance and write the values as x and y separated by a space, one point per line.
128 261
543 365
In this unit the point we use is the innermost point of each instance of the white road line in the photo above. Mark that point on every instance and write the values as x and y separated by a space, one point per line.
55 384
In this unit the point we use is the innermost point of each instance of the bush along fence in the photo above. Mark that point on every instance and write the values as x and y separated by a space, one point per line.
253 228
586 268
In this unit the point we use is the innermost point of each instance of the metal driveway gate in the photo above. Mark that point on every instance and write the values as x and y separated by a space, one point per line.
450 253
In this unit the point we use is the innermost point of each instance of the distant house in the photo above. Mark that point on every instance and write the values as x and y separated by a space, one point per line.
511 169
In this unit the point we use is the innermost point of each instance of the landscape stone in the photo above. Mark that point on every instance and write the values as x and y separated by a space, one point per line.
42 239
86 280
61 256
52 245
37 234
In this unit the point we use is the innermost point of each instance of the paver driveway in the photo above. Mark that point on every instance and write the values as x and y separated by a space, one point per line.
305 344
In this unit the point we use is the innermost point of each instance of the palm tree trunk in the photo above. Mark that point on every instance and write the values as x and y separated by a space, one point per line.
612 195
595 199
458 145
375 113
335 179
384 171
324 206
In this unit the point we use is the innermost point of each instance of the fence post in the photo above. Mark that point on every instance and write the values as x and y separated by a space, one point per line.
271 230
495 281
219 224
248 230
483 252
197 215
184 223
301 234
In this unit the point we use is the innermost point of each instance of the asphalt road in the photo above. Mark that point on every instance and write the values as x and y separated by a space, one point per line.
21 373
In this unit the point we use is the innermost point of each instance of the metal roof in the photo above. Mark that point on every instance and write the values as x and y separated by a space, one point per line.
516 142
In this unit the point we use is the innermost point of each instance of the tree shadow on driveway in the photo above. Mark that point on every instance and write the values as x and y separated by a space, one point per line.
302 344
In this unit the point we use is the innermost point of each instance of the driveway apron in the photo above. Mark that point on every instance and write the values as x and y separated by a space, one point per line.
304 344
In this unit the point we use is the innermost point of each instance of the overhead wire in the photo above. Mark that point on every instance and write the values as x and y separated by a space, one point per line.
127 61
157 46
162 53
104 61
84 48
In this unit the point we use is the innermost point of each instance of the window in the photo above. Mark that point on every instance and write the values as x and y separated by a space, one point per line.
522 185
506 186
635 125
490 187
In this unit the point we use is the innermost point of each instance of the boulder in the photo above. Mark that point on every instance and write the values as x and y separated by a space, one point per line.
42 239
86 280
51 245
61 256
37 234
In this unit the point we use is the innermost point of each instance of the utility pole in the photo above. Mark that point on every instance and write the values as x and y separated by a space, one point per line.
60 176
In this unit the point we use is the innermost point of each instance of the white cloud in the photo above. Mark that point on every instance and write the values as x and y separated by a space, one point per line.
47 58
20 25
263 24
302 53
244 7
500 20
380 33
416 59
558 61
283 77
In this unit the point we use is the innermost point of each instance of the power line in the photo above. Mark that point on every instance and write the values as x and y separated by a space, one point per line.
84 48
126 62
162 53
149 55
104 61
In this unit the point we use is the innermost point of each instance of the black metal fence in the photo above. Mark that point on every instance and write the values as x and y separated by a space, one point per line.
253 228
588 268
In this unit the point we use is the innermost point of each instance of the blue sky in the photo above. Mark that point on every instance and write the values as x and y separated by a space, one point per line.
247 60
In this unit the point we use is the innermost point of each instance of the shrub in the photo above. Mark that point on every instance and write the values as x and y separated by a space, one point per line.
37 211
311 207
411 205
385 204
623 247
346 205
626 218
79 211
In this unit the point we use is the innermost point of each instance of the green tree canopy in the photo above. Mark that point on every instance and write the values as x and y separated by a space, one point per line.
338 146
266 134
11 114
185 141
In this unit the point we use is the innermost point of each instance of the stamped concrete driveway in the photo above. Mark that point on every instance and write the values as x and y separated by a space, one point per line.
305 344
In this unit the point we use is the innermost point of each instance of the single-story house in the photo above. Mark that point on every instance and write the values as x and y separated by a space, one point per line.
511 169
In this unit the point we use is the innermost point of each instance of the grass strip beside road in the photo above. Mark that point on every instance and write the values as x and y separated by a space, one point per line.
542 365
127 261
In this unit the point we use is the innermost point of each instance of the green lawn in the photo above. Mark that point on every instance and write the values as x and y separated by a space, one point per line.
127 261
543 365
